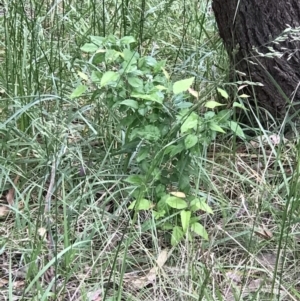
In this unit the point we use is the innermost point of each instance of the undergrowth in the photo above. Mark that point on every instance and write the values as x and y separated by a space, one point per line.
125 171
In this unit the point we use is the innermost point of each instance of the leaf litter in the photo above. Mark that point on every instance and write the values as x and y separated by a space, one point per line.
139 282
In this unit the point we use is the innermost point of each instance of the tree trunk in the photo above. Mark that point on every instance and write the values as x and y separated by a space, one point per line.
248 29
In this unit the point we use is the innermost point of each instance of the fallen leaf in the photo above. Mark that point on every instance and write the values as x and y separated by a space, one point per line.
263 232
264 140
42 233
235 276
18 284
245 290
3 282
193 92
94 296
139 282
275 139
268 260
162 258
255 285
3 211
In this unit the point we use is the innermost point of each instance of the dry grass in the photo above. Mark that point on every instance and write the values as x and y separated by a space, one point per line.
97 251
66 232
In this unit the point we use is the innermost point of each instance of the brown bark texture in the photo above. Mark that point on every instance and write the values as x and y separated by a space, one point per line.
246 25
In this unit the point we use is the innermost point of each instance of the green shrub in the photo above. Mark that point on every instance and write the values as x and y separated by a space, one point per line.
161 127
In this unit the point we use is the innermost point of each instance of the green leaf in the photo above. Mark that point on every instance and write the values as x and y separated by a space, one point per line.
224 115
167 226
111 55
127 40
83 75
135 82
215 127
159 66
152 97
156 174
176 203
184 183
143 111
98 40
209 115
99 57
149 132
161 88
223 93
175 149
142 204
89 48
234 126
96 76
150 61
250 83
129 68
108 77
184 105
212 104
177 235
185 219
110 40
128 120
190 141
200 230
238 105
160 190
190 122
182 85
130 57
200 204
158 214
244 96
143 153
135 179
78 91
130 103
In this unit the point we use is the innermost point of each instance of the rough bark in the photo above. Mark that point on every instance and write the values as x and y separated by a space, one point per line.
246 25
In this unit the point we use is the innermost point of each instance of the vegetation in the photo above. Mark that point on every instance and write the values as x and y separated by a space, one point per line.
126 171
